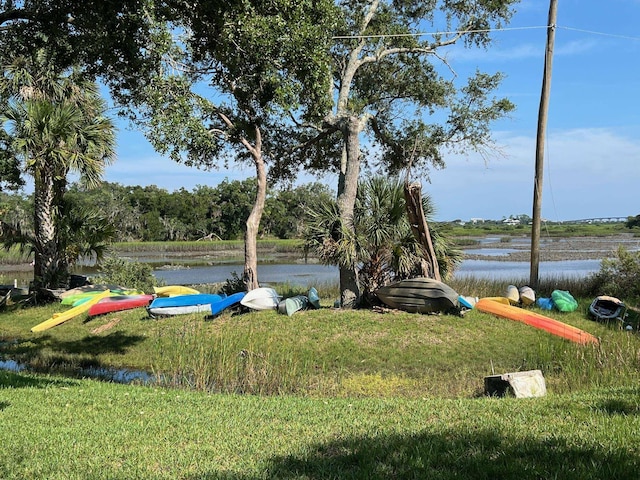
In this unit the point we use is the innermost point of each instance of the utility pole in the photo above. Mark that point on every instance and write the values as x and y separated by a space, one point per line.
540 138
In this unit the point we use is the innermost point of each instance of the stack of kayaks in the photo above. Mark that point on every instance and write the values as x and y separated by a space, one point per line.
207 303
291 305
80 298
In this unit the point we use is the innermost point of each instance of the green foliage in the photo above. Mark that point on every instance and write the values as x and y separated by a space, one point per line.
57 125
619 276
633 222
381 245
233 285
83 232
134 275
153 214
109 38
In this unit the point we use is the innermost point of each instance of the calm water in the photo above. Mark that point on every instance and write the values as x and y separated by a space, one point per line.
309 275
297 274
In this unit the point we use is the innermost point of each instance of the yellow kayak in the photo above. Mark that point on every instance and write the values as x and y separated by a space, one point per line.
62 317
171 290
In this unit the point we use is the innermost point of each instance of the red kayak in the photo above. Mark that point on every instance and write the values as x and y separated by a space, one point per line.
118 303
536 320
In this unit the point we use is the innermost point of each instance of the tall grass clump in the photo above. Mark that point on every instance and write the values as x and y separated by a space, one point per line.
614 362
134 275
232 363
487 287
15 255
619 276
279 246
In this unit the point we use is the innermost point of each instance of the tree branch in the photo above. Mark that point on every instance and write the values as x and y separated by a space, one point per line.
324 134
17 14
431 49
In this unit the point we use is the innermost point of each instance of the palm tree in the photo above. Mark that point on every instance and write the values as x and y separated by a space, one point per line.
381 246
57 126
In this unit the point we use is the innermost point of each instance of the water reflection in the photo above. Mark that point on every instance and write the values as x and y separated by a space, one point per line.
101 373
305 275
500 270
309 275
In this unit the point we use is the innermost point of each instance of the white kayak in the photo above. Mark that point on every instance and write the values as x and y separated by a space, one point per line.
263 298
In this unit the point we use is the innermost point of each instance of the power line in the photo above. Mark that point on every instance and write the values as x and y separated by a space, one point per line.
593 32
488 30
424 34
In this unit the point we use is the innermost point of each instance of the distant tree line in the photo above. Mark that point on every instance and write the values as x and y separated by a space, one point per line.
633 221
152 213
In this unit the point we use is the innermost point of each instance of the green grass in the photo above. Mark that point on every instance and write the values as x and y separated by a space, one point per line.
78 429
548 229
279 246
327 352
14 256
321 394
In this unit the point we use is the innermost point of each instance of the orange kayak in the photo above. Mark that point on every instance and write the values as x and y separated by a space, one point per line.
536 320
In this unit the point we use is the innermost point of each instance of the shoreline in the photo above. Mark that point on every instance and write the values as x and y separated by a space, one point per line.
518 249
502 249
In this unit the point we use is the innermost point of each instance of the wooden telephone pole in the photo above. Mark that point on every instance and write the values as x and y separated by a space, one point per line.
540 137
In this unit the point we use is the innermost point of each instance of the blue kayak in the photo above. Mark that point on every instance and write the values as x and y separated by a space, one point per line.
209 304
226 302
186 300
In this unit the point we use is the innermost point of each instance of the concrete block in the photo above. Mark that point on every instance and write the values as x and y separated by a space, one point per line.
526 384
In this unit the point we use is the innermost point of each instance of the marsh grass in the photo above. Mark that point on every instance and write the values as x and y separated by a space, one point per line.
329 352
14 256
276 245
229 364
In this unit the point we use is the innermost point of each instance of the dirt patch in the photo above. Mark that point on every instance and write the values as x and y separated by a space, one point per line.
106 326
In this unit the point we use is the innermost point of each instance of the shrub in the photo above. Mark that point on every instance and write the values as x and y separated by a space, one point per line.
619 276
135 275
233 285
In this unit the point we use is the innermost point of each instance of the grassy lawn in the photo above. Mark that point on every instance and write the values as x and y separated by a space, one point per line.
66 429
321 394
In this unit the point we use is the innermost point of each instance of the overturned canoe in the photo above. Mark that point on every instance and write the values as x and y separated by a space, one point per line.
527 296
535 320
512 294
419 295
314 298
227 302
262 298
209 304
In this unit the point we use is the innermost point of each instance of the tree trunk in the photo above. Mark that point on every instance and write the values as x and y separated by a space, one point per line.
420 228
350 170
49 271
250 275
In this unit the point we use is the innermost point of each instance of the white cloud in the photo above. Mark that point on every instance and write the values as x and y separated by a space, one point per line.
587 173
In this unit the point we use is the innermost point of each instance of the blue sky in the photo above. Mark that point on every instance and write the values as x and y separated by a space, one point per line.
592 149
